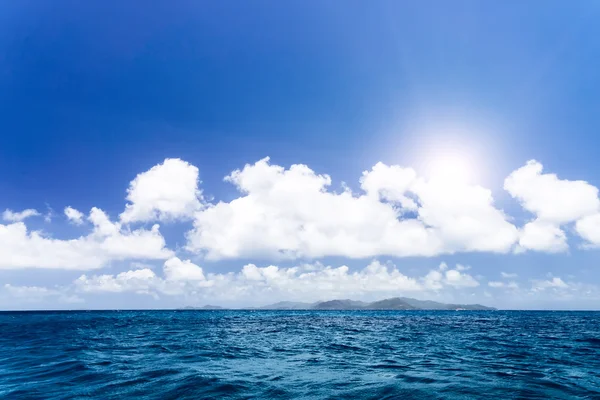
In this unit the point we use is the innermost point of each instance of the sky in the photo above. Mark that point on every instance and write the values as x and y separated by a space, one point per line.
240 154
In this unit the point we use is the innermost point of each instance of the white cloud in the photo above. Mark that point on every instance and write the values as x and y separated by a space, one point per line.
29 291
589 228
49 214
508 275
545 236
554 202
292 214
179 277
390 183
178 270
168 191
458 279
327 282
74 215
444 276
509 285
551 199
138 281
254 284
553 283
12 216
34 294
108 241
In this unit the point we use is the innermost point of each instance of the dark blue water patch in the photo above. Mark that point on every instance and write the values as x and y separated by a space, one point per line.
300 354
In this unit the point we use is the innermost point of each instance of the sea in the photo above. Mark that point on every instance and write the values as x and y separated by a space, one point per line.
197 354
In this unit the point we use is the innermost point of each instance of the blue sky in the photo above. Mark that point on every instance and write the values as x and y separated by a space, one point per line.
93 94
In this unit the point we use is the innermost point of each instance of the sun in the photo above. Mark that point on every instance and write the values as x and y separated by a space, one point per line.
450 154
449 167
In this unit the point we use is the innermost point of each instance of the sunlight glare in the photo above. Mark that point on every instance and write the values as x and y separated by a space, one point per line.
452 168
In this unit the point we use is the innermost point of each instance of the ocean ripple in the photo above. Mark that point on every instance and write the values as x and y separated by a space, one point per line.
191 354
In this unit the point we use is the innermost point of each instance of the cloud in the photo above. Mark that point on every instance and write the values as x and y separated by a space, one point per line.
178 270
74 215
443 276
29 291
138 281
177 274
321 282
545 236
458 279
554 202
509 285
554 283
36 294
390 183
508 275
551 199
588 228
290 213
294 213
168 191
49 214
12 216
254 284
108 241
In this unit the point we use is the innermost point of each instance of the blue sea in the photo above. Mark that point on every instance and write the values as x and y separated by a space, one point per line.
299 354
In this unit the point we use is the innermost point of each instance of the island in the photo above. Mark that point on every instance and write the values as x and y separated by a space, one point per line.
394 303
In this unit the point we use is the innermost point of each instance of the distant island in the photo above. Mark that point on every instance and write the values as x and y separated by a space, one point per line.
206 307
395 303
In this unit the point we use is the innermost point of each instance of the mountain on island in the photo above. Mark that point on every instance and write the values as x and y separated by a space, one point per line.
395 303
206 307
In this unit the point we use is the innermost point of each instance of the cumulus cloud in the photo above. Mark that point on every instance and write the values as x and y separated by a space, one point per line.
254 284
542 235
443 276
294 213
29 291
498 284
508 275
168 191
553 283
108 241
177 275
390 183
328 282
554 202
550 198
178 270
12 216
138 281
35 294
458 279
73 215
291 213
588 228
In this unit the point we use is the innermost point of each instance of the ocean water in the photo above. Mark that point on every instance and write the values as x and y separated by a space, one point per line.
299 354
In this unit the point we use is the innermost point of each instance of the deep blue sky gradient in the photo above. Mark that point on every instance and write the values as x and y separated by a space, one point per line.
94 92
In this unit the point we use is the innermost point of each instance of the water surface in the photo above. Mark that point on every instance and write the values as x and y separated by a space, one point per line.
299 354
